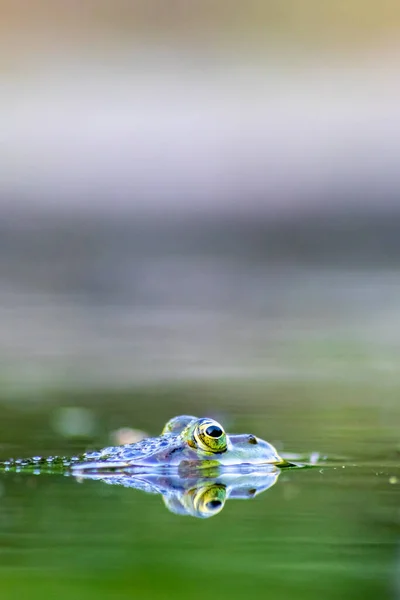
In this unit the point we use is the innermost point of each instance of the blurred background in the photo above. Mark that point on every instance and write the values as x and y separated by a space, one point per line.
200 213
197 190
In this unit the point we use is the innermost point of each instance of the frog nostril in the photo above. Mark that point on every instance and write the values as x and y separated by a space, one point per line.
252 439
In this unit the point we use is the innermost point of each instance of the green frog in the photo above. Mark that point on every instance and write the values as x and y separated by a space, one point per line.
185 445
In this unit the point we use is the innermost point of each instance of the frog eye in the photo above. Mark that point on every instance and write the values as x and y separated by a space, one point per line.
210 436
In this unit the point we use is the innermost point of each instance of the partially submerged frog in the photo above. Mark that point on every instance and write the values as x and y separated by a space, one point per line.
186 444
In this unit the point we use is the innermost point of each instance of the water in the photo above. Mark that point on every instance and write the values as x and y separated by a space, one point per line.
330 532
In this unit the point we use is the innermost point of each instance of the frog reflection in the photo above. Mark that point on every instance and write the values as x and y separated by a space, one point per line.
202 496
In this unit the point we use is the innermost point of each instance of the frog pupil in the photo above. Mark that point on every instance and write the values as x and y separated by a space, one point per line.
214 431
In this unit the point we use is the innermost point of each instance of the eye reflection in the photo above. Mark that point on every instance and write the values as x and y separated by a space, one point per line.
213 504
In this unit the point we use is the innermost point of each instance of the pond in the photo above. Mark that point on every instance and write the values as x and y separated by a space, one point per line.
330 532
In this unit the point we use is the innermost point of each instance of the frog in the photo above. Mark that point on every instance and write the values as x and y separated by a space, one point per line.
186 444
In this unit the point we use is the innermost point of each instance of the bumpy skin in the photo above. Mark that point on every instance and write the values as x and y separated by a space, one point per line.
186 444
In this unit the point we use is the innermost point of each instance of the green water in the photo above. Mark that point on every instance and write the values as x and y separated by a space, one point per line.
323 533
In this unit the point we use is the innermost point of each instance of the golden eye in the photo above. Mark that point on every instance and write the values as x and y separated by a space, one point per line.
210 436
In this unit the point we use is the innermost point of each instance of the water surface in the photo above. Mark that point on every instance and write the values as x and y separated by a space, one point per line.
329 532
